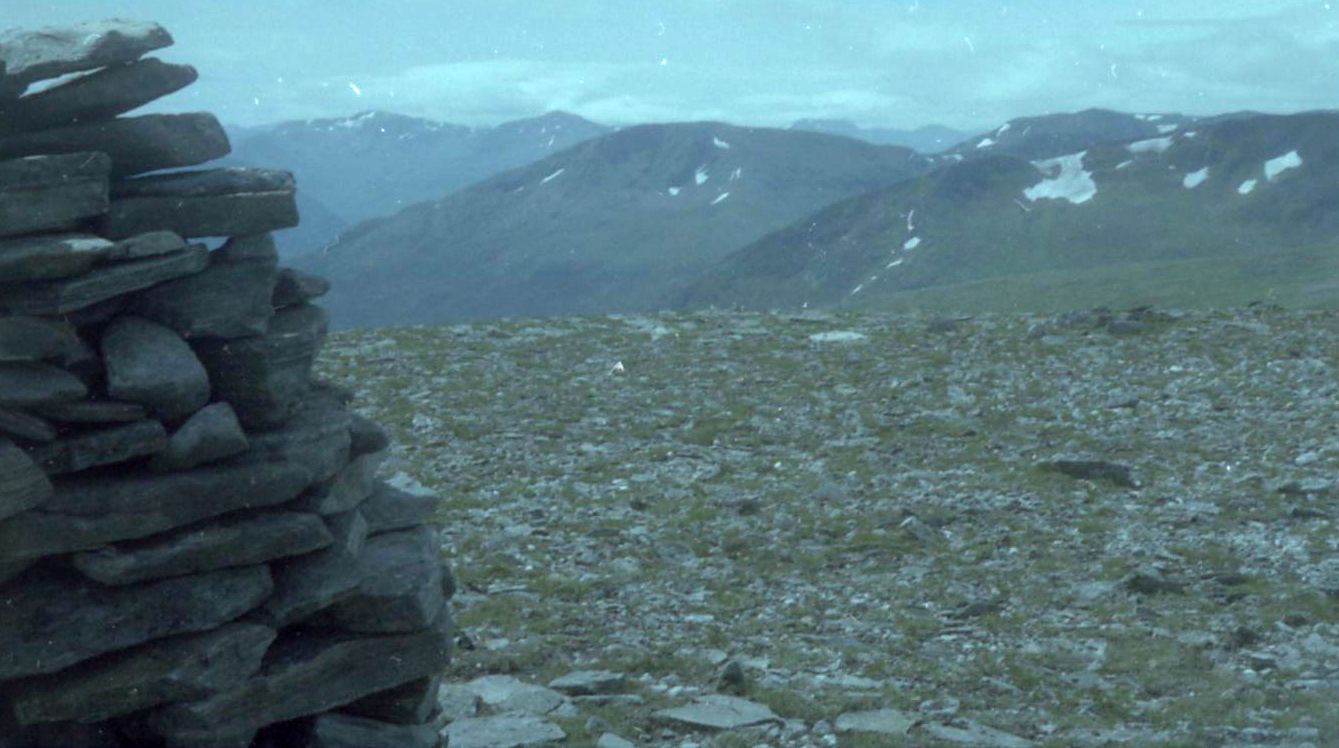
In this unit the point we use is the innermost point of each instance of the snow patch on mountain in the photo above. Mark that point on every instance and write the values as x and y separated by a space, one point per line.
986 143
720 143
720 198
1152 145
1276 166
700 176
1245 188
912 243
1066 180
1195 178
552 176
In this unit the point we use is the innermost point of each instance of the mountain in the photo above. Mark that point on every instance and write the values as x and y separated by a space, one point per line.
927 139
375 163
1054 135
620 223
1224 213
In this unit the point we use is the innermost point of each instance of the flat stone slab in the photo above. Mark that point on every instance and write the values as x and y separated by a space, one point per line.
36 339
307 584
233 541
976 735
96 96
882 721
149 244
209 215
317 435
345 731
56 619
366 436
33 385
211 434
266 377
49 256
389 508
399 585
588 682
349 488
107 446
503 693
42 193
23 485
409 704
719 712
51 52
206 183
85 513
26 427
136 145
188 667
151 365
310 673
296 287
229 299
503 731
106 282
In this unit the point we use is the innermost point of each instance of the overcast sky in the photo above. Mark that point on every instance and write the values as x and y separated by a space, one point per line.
901 63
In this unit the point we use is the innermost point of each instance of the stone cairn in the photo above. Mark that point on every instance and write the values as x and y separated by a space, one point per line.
194 548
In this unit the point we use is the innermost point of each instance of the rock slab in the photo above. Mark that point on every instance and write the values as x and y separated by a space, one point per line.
151 365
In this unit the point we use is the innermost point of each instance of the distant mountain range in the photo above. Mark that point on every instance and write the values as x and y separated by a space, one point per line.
623 222
376 163
1220 211
928 139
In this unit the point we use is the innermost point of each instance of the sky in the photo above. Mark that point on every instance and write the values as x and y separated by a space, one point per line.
968 64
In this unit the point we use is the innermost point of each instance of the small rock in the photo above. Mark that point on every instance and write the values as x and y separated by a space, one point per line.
976 735
212 433
1150 581
882 721
1096 470
610 740
457 701
588 682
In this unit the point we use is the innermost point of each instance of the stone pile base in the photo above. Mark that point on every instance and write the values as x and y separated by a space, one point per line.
195 549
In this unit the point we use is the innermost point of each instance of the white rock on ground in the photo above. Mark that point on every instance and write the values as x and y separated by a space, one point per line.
507 730
610 740
503 693
720 712
882 721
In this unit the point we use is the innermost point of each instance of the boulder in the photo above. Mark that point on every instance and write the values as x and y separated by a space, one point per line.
220 202
212 433
56 618
308 584
228 299
389 508
399 585
52 52
33 385
136 145
49 256
42 193
351 486
103 283
237 540
345 731
266 377
308 673
296 287
97 96
23 485
107 446
36 339
151 365
188 667
411 703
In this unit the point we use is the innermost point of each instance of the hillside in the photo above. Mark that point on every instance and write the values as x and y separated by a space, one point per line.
375 163
619 223
1238 210
1051 135
927 139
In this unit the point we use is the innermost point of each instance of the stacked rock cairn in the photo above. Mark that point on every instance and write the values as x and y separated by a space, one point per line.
195 549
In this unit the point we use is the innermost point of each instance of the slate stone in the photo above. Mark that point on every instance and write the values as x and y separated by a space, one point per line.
237 540
33 385
101 284
56 619
228 299
503 731
181 668
150 244
1095 470
43 193
975 735
266 377
107 446
351 486
212 433
345 731
882 721
409 704
389 508
366 436
505 693
23 485
49 256
98 95
307 584
44 53
399 587
136 145
719 712
25 426
151 365
588 682
93 411
308 673
87 512
317 436
296 287
221 202
35 339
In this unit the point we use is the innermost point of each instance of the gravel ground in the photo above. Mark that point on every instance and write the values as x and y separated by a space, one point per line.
869 512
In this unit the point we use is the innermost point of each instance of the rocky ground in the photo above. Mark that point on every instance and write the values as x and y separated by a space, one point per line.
1098 529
